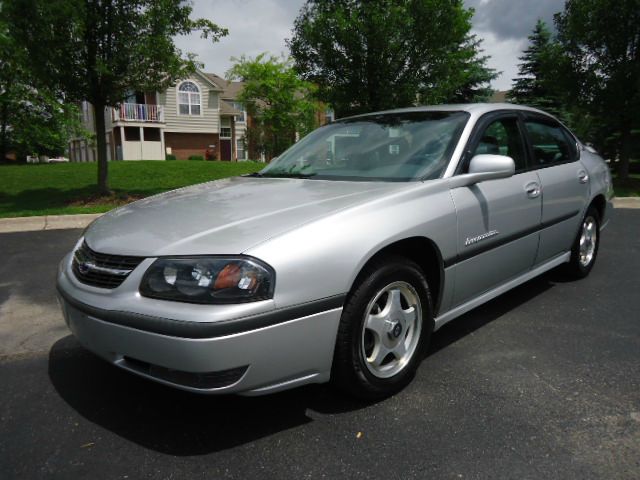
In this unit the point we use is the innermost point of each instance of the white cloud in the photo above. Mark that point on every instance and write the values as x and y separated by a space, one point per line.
503 57
255 26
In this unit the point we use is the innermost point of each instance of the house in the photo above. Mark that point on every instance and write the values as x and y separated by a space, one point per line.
499 96
198 116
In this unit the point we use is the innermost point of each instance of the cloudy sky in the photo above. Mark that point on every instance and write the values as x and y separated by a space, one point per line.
256 26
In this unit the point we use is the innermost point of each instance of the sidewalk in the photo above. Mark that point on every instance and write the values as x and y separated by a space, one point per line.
57 222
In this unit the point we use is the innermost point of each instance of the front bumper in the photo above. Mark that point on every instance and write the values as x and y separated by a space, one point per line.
250 355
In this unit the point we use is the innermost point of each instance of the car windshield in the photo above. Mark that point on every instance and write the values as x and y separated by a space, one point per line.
386 147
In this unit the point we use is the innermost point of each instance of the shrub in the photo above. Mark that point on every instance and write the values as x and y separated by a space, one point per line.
170 157
196 157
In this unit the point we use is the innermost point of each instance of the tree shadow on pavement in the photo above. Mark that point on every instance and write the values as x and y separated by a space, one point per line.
183 424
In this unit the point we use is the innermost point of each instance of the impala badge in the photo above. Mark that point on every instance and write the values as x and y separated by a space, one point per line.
479 238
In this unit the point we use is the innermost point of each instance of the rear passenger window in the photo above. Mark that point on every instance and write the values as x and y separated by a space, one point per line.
551 144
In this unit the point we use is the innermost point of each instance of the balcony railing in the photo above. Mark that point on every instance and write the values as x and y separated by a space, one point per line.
137 112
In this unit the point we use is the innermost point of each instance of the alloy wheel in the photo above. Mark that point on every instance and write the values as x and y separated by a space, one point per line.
588 241
391 330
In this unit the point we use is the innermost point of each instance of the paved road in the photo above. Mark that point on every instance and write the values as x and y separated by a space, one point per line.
543 382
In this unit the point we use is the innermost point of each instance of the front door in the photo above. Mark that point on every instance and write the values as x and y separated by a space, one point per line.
498 220
565 184
225 150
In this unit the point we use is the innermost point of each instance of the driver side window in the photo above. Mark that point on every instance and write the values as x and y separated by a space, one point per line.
502 137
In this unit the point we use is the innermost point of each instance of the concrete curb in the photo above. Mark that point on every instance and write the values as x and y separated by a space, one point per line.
626 202
57 222
46 222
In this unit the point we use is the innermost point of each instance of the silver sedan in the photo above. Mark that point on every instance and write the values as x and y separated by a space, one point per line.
339 259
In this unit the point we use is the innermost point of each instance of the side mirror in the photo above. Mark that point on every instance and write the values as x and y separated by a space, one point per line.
485 167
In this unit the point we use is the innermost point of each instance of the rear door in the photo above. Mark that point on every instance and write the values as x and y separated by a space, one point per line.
564 181
498 220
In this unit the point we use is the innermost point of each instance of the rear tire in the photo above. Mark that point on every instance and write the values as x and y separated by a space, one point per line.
585 247
384 330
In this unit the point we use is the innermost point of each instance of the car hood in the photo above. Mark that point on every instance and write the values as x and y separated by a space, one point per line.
225 216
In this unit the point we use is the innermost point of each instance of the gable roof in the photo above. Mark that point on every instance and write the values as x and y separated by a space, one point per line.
499 96
209 80
227 109
230 89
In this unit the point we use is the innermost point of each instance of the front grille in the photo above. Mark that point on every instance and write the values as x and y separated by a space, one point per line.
202 381
100 269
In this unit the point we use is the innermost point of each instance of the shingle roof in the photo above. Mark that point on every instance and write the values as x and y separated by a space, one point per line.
499 96
230 89
227 109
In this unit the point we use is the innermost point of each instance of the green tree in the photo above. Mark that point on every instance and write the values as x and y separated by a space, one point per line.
536 83
601 43
42 124
32 118
379 54
280 104
99 50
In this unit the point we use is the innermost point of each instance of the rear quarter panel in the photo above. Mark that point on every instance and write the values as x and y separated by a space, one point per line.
600 182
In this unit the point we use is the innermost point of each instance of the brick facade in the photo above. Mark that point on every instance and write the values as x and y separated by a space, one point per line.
184 145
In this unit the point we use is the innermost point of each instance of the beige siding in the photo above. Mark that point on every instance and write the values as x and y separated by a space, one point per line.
86 116
108 122
205 123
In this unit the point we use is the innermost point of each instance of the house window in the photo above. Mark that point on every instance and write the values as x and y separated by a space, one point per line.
329 115
188 99
240 149
225 132
240 107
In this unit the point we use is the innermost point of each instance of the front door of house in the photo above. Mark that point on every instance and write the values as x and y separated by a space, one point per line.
225 150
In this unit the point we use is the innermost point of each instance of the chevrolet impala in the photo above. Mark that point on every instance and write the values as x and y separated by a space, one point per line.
338 260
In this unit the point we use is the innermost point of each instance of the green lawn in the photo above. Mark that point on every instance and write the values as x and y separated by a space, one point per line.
27 190
50 189
630 188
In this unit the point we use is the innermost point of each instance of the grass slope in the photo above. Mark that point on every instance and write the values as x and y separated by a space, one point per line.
27 190
49 189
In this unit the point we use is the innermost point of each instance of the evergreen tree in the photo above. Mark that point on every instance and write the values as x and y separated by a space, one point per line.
601 48
535 86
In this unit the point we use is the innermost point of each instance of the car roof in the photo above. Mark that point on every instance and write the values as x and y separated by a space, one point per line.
475 109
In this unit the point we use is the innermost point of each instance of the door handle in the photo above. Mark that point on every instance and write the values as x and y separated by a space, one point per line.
583 177
532 189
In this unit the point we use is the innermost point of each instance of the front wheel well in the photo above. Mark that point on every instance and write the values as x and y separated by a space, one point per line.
600 204
426 254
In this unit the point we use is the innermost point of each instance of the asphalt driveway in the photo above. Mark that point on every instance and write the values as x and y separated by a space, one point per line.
543 382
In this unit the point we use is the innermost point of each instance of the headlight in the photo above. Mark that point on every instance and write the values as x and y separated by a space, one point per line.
208 280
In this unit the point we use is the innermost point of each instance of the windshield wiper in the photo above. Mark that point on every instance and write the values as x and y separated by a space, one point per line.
289 175
303 175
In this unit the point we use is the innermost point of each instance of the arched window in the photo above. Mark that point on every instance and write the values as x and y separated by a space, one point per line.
188 99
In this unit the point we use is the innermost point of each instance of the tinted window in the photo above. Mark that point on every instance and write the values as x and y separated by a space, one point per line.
551 145
502 137
386 147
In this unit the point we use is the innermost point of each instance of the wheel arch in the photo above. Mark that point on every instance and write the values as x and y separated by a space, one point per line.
425 253
599 202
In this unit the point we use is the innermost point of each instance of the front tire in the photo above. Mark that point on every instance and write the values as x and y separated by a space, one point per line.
585 246
385 329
